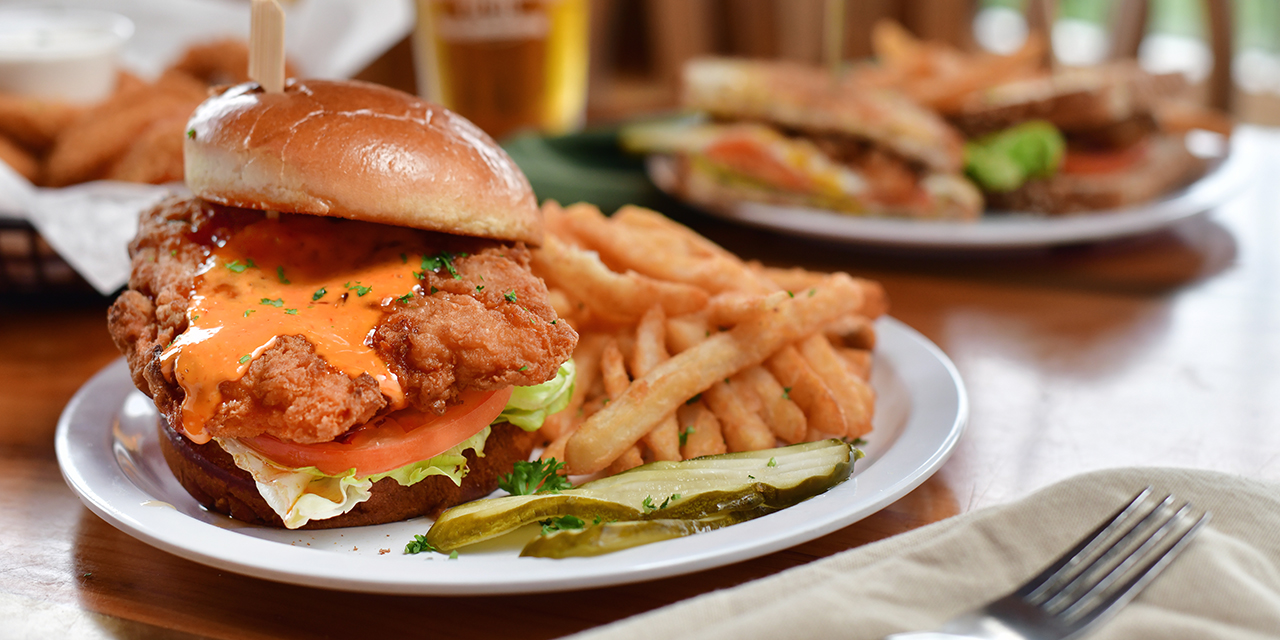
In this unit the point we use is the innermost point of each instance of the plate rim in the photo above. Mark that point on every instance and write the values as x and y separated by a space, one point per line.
1008 230
161 527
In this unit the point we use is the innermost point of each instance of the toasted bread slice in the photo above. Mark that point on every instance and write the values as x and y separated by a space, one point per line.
806 99
1073 100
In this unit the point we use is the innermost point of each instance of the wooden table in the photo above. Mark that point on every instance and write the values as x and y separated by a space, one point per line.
1152 351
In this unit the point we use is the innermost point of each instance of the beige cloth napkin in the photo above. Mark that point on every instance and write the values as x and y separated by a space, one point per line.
1226 584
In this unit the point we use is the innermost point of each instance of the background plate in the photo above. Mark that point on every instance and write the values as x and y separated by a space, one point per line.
108 451
997 230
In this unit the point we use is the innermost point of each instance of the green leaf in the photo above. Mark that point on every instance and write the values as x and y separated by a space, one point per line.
563 523
539 476
510 296
419 544
278 302
318 294
280 275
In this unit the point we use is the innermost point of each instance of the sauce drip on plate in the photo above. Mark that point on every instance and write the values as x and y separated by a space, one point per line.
328 280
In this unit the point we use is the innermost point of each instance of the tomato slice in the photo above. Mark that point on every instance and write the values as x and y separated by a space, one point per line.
751 157
1100 162
392 441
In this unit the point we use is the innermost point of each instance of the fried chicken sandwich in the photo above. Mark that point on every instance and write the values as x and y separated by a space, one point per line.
341 326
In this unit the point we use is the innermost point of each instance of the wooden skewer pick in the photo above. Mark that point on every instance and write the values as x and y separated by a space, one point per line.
266 45
833 37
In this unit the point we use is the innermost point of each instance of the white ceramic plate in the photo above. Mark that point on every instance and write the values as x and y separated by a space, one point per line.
109 454
997 230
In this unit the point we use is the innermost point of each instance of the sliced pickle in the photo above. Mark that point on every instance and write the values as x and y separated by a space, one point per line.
688 490
608 537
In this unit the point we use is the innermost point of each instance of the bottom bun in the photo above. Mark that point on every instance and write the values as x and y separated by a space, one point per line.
209 474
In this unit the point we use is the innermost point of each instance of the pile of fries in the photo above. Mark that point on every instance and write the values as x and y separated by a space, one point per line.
687 350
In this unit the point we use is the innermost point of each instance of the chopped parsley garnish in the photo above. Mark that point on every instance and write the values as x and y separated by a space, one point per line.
245 358
318 294
648 504
173 252
280 275
674 496
360 289
194 318
419 544
751 476
524 368
191 134
553 322
404 299
786 393
292 312
684 435
248 311
812 291
562 523
434 290
479 287
510 296
404 258
453 555
539 476
790 294
238 267
278 302
773 462
444 260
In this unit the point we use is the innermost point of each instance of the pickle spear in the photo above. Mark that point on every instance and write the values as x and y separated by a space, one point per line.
608 537
685 491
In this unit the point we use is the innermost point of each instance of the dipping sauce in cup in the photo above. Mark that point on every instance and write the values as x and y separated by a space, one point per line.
63 54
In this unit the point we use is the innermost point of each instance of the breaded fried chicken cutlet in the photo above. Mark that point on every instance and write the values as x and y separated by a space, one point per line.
342 327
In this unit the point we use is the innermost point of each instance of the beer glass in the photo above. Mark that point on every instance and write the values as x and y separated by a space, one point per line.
506 65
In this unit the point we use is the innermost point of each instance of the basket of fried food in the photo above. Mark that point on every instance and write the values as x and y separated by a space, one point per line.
133 135
687 351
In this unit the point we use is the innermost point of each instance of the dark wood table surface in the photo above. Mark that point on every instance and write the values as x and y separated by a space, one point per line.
1158 350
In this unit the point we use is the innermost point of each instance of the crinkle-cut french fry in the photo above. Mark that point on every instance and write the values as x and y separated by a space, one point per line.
649 351
809 390
607 434
632 238
615 297
701 430
743 429
858 361
586 360
854 331
780 412
855 397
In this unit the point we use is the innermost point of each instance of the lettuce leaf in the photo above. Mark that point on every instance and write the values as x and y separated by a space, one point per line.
304 494
530 406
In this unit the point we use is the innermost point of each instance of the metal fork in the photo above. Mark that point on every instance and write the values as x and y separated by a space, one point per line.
1089 583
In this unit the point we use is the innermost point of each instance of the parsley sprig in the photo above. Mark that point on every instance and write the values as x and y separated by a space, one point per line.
562 523
539 476
442 260
419 544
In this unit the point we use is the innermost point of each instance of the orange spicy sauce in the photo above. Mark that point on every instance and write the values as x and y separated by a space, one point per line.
325 279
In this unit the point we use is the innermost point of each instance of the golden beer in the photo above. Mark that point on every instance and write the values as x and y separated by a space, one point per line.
506 65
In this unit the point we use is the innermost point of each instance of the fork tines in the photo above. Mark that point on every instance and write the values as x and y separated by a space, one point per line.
1109 567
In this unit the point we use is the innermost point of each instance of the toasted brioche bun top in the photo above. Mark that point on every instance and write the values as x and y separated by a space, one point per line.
360 151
